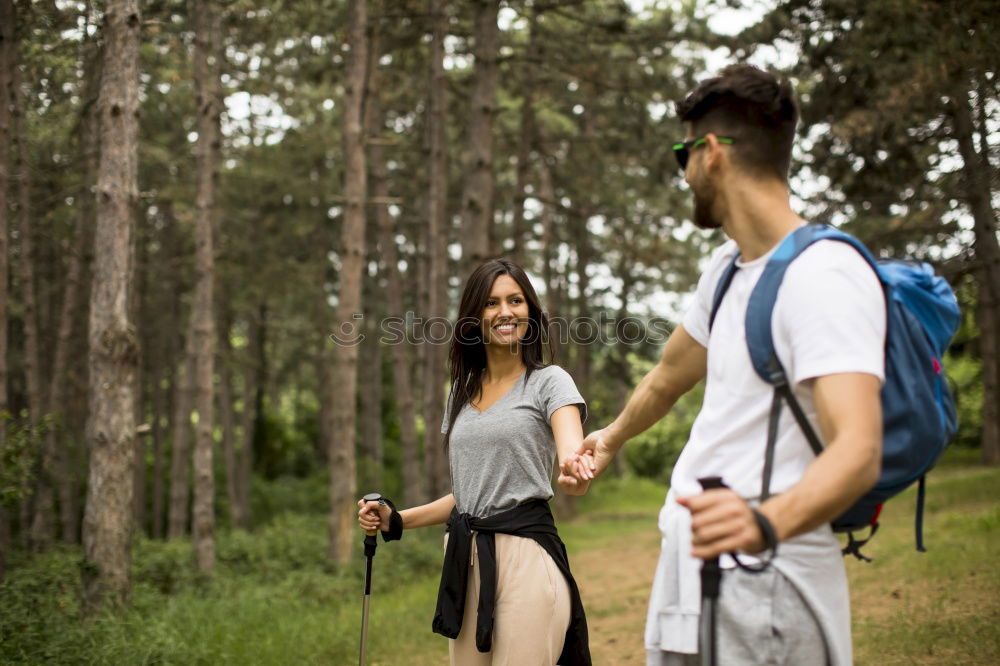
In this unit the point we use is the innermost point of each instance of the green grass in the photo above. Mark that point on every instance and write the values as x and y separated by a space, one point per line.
942 606
275 600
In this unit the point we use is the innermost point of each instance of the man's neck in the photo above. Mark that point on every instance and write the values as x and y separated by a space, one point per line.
758 215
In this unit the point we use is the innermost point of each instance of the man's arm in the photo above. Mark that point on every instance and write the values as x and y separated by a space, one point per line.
683 364
850 418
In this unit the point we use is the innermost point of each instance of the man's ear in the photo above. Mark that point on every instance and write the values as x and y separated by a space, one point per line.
715 156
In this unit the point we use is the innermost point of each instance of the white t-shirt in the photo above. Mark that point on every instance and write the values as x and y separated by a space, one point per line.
829 317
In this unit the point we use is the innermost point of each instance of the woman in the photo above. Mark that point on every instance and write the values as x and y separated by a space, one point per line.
506 593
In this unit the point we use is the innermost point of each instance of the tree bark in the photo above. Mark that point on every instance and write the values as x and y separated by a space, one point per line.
558 326
72 291
159 412
352 257
42 528
6 66
137 297
207 68
107 524
371 398
477 196
526 138
179 450
979 197
435 461
227 419
254 386
402 360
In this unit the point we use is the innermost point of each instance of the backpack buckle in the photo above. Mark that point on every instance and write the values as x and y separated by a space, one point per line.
854 545
775 372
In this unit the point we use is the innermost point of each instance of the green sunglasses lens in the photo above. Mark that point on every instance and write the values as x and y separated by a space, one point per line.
683 150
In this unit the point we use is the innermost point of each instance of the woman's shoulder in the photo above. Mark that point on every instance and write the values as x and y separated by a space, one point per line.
551 374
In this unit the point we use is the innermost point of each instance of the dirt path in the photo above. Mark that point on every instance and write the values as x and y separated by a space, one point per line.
615 583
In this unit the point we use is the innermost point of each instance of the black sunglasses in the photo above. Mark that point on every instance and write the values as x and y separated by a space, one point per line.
682 151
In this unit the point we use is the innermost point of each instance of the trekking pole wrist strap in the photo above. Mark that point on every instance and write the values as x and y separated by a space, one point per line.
767 531
395 531
770 544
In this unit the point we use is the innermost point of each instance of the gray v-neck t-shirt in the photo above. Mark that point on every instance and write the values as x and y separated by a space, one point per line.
505 455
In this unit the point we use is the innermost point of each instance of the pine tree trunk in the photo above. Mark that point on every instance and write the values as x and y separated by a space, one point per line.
107 524
979 197
989 333
159 408
138 297
207 67
139 456
179 449
477 197
400 350
227 419
6 66
526 138
435 461
72 292
254 385
550 250
352 257
371 400
42 529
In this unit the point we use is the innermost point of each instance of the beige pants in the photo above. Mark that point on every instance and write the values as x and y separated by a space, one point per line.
532 609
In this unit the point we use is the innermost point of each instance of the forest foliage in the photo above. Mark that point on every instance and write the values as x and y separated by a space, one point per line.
566 108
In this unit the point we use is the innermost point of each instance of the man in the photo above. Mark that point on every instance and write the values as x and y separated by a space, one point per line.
829 330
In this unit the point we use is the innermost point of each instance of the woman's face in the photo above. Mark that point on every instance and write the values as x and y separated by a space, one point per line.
505 317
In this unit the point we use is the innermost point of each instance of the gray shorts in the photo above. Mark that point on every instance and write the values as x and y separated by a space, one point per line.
761 619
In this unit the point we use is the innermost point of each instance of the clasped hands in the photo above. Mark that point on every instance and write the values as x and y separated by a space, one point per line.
721 521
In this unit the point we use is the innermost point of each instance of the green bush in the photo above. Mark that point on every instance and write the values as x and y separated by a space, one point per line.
653 453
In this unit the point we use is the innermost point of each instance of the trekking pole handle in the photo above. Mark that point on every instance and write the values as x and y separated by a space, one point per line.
709 482
372 497
711 574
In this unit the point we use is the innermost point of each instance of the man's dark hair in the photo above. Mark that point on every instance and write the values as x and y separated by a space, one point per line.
754 107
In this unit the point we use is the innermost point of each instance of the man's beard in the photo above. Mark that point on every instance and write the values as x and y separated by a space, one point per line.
703 216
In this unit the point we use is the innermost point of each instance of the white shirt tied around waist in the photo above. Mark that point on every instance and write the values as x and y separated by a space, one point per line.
829 318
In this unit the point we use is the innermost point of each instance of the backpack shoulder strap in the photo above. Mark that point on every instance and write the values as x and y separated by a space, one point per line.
760 340
722 287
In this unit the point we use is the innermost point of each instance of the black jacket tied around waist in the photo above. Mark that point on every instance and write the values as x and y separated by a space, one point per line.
531 520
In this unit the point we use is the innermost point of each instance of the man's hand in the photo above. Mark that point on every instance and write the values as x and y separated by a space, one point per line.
593 457
721 522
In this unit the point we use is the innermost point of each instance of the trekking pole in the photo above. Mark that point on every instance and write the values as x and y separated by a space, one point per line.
370 543
711 578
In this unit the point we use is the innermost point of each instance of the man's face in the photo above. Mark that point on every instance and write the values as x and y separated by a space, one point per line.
705 213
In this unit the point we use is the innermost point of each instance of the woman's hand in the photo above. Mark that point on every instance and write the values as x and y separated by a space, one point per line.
573 478
373 516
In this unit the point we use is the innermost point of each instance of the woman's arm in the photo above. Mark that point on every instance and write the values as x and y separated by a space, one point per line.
568 431
375 516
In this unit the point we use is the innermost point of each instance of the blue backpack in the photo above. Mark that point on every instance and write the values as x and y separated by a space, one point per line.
918 410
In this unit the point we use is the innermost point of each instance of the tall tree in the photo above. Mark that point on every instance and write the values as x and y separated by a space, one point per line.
352 257
876 75
72 292
107 524
526 136
6 66
478 192
435 462
402 359
41 530
227 416
183 389
207 68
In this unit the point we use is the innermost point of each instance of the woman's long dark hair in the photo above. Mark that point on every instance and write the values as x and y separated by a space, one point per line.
467 358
